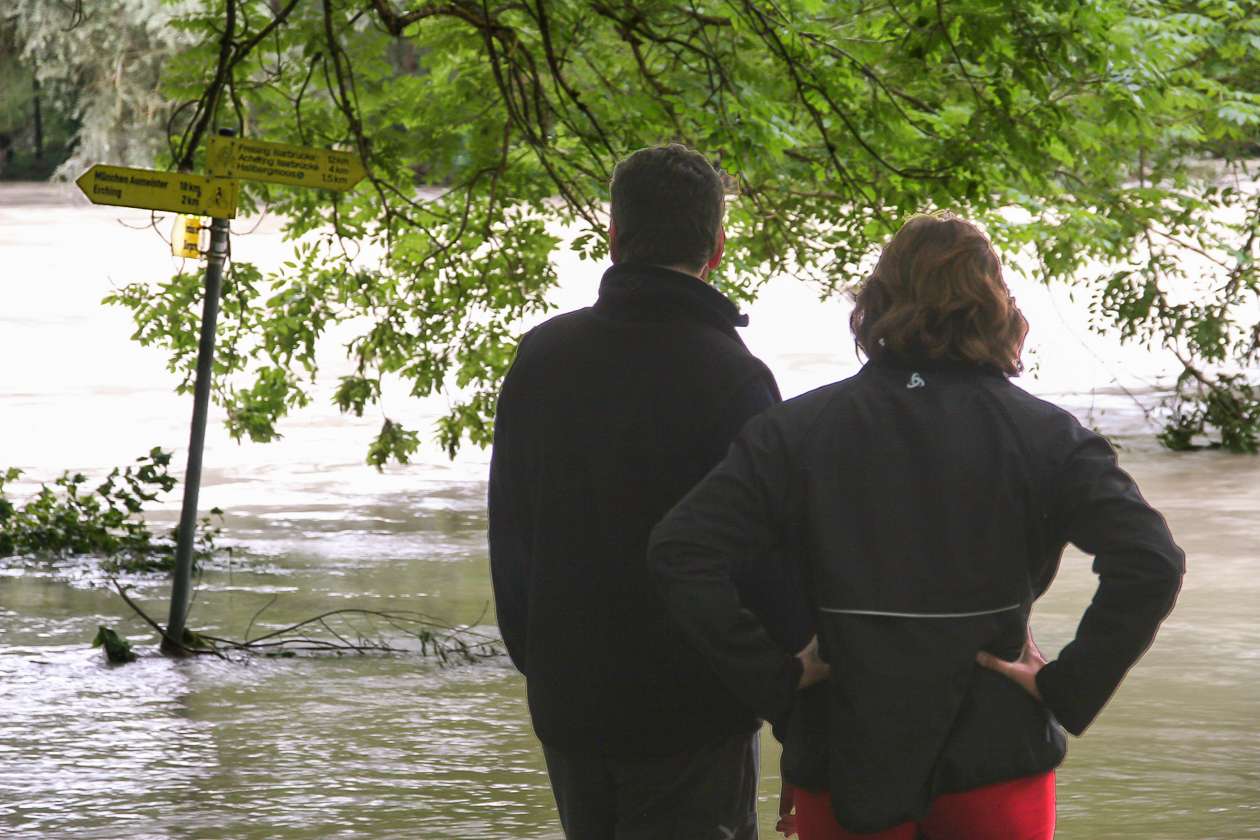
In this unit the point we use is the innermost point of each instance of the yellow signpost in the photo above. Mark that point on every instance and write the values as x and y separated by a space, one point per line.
214 195
177 192
280 163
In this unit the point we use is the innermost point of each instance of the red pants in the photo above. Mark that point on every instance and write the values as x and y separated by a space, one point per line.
1018 810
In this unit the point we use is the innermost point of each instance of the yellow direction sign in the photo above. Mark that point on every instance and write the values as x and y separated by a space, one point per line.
280 163
177 192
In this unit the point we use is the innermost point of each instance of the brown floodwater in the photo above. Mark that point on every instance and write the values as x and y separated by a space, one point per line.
398 745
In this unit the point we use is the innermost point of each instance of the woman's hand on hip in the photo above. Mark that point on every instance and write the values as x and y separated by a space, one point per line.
1023 670
815 670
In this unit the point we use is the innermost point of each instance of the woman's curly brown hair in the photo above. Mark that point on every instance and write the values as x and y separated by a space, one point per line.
937 293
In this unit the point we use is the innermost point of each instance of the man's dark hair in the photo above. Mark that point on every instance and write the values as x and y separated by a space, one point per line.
667 204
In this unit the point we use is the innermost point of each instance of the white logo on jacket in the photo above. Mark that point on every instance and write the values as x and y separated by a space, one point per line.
916 381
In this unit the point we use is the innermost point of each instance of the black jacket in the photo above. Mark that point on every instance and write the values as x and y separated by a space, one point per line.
607 418
928 506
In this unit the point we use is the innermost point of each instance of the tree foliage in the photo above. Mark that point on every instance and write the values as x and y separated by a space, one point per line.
101 62
1091 138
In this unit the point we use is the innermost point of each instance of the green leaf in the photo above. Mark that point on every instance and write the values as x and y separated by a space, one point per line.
117 649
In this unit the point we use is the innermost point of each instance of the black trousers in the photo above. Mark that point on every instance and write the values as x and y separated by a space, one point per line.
705 793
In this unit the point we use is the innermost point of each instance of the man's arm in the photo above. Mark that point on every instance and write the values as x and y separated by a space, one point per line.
509 553
509 566
1139 568
735 512
754 396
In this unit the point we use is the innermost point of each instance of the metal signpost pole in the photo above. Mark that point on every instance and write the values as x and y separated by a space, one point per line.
181 584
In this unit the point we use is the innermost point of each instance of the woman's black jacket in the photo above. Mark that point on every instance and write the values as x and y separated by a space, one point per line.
927 506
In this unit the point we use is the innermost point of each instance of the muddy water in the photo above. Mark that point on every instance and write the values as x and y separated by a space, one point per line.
394 746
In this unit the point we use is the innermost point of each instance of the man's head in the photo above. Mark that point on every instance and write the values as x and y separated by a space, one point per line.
667 208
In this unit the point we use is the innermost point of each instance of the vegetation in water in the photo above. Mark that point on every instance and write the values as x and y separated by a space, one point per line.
338 632
1226 416
117 649
69 518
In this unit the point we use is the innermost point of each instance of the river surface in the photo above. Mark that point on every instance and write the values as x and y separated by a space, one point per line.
399 745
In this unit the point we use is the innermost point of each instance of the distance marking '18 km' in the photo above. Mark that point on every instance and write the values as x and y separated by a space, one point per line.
176 192
281 163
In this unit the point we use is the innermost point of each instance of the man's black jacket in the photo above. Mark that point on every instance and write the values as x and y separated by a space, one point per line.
609 415
928 505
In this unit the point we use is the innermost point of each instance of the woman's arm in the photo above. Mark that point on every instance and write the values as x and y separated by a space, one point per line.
736 511
1097 507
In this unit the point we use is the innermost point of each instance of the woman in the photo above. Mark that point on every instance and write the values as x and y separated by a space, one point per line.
927 501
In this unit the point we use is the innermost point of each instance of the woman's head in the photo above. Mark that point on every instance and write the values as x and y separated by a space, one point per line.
937 293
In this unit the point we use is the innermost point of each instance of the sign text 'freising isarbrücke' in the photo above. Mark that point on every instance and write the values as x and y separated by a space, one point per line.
281 163
176 192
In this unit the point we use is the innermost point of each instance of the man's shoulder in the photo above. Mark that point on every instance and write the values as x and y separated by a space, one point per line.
558 326
555 334
693 341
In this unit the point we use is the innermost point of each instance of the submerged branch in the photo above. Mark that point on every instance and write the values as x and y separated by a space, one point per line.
437 637
169 643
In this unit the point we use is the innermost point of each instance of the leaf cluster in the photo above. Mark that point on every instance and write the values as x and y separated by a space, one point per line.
69 519
117 649
1226 415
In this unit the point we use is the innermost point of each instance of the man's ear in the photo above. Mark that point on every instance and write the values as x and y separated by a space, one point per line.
613 250
717 255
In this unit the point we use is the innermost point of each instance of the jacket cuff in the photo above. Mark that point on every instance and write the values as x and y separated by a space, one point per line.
1058 698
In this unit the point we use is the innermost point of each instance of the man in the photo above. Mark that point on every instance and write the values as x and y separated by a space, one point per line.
609 415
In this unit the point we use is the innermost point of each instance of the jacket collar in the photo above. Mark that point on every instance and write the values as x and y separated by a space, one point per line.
888 361
650 292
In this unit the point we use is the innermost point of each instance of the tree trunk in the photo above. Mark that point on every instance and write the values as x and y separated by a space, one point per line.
39 124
